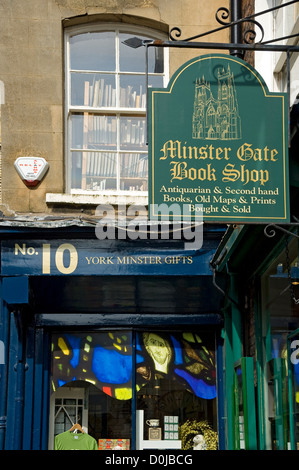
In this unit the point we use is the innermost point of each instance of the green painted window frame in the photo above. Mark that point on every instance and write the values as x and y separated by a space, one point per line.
278 378
292 394
246 366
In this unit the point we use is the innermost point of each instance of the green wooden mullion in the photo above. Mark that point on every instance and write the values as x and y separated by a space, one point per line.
229 381
233 350
236 320
250 403
279 430
260 367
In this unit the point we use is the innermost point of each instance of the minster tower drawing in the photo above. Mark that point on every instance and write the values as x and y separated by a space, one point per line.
216 118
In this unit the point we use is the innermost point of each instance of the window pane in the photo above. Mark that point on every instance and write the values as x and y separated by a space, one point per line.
176 381
155 60
107 365
91 131
132 91
155 81
71 401
94 171
132 133
133 59
76 170
93 51
134 164
110 420
133 172
96 90
105 372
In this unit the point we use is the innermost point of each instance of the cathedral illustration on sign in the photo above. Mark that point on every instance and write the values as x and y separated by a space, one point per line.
216 118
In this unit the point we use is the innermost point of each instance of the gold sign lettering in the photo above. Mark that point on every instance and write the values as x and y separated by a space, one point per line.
245 153
177 154
175 149
180 171
230 173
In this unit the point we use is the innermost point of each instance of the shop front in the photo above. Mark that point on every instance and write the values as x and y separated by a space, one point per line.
265 258
175 382
124 344
279 310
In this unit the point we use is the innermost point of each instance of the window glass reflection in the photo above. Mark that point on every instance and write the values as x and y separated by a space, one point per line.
93 90
132 133
104 359
176 380
106 80
93 51
175 377
133 171
93 131
132 91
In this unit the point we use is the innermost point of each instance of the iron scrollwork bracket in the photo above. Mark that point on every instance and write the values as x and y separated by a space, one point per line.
223 14
249 34
270 230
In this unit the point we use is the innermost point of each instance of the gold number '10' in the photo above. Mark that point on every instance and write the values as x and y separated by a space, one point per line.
59 258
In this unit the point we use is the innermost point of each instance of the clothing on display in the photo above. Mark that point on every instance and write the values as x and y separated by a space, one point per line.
69 440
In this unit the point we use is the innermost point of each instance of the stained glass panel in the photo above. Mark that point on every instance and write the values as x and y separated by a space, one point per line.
105 360
175 377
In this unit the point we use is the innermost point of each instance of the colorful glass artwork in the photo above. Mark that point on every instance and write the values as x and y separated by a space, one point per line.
180 356
105 360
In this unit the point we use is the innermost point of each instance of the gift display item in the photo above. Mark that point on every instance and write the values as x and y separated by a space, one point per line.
153 423
114 444
171 427
154 434
199 442
74 440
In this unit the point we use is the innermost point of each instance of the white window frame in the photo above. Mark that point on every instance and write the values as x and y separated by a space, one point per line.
111 195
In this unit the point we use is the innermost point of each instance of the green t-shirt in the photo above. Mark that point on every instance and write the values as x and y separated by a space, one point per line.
74 441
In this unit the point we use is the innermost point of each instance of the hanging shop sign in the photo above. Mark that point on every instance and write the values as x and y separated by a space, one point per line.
218 144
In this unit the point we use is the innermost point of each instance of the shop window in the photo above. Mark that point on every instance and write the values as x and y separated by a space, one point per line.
280 288
148 389
106 108
280 291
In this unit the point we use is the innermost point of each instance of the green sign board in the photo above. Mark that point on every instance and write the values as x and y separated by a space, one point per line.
218 144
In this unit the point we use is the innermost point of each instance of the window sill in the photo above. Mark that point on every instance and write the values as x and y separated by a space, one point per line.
87 198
